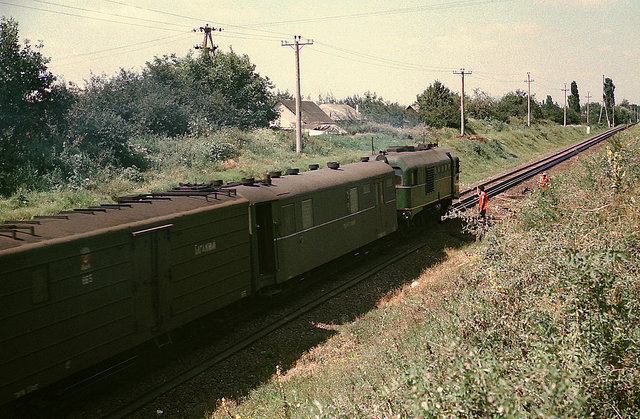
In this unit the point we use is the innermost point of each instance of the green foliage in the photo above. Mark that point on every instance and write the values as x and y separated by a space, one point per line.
439 107
375 109
609 96
574 98
26 92
552 111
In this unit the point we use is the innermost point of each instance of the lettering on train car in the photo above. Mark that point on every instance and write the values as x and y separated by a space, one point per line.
204 248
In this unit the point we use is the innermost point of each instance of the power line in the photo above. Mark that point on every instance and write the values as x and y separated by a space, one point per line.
109 14
89 17
152 41
192 18
450 5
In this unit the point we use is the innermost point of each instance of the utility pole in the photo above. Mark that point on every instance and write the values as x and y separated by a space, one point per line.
565 104
604 106
613 112
588 97
529 81
206 29
462 73
296 45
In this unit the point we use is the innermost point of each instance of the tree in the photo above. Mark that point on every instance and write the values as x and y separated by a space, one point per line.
609 97
231 80
26 89
439 107
552 111
574 98
374 108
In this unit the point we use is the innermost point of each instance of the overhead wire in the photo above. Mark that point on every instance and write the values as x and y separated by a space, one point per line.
453 4
109 14
88 17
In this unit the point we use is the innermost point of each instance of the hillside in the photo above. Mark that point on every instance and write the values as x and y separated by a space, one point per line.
539 318
230 154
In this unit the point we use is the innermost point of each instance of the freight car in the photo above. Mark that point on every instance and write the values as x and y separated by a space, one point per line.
82 286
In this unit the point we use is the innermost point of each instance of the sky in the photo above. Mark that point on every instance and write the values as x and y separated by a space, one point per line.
393 48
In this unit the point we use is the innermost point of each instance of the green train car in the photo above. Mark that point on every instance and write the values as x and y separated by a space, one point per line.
82 286
301 221
426 177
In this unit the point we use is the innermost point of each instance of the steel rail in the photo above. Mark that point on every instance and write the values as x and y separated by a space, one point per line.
251 339
514 177
596 138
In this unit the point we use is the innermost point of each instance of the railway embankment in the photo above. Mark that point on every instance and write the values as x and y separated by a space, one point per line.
538 318
232 154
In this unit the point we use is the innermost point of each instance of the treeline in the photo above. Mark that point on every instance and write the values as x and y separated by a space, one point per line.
438 107
52 132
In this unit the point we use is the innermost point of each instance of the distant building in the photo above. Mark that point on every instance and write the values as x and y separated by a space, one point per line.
340 112
314 120
413 108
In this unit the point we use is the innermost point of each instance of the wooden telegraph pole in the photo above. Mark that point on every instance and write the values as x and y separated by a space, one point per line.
565 104
207 43
296 45
529 81
462 73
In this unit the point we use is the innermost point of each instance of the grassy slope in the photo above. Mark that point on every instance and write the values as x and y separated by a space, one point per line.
232 154
539 318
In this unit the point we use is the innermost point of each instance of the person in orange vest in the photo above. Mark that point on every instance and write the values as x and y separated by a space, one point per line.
483 201
544 181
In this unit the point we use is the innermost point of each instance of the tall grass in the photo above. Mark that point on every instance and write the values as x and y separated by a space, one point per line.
540 318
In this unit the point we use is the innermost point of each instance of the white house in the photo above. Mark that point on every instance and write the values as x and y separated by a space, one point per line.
314 120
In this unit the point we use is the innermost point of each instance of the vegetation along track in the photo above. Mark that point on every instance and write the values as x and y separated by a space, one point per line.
507 180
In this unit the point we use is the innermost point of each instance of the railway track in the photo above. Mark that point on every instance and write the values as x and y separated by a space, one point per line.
503 182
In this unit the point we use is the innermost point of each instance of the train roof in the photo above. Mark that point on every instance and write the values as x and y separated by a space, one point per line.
409 158
312 181
130 211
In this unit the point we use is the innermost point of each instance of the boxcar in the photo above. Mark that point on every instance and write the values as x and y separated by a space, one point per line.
425 177
80 287
301 221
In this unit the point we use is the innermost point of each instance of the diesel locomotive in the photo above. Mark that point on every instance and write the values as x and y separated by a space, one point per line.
79 287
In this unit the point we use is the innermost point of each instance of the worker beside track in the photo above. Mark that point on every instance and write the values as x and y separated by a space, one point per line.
483 201
545 182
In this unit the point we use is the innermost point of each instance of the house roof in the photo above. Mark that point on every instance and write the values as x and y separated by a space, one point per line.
311 113
339 112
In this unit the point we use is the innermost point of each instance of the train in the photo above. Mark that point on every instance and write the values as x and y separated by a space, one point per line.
82 286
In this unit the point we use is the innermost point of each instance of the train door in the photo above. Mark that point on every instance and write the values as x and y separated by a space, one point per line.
452 174
381 222
151 266
264 231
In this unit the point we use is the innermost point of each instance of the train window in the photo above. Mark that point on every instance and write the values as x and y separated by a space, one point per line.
414 177
429 184
398 172
366 188
287 220
352 200
307 214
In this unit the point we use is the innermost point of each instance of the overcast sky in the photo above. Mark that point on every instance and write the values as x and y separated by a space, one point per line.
393 48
